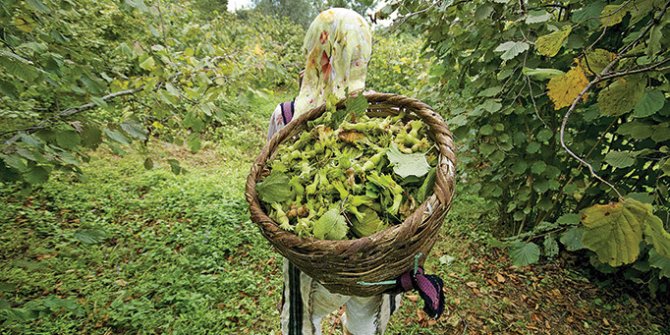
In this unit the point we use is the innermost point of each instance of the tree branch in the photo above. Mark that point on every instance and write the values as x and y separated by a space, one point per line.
68 112
84 107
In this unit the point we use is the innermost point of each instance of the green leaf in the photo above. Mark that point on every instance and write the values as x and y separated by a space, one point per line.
614 231
549 45
18 67
483 12
191 120
544 135
661 133
620 159
274 188
538 167
651 102
621 96
90 135
175 167
116 136
590 12
148 64
90 235
635 129
356 106
135 130
36 175
99 102
38 6
491 105
148 163
405 165
139 4
331 226
641 197
537 16
550 246
655 36
486 130
540 73
15 162
524 253
654 232
8 89
511 49
612 15
193 141
657 260
519 167
572 239
426 187
641 9
490 92
568 219
533 147
595 61
369 225
68 139
665 167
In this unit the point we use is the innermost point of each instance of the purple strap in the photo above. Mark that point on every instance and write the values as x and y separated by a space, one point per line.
287 111
429 287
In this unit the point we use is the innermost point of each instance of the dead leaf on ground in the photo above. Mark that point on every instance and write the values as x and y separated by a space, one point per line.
500 278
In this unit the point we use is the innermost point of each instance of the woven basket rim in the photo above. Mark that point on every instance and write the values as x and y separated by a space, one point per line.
349 244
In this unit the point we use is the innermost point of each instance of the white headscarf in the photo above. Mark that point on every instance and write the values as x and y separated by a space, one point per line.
338 47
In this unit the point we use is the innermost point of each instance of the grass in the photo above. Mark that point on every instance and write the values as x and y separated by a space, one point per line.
124 250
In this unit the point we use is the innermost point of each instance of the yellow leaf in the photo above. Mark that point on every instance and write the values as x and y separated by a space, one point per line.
24 24
258 50
564 89
614 231
596 60
549 45
612 15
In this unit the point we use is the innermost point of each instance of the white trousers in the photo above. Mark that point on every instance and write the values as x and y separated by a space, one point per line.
306 303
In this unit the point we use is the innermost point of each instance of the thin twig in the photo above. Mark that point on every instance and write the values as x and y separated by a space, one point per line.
602 35
532 99
634 71
75 110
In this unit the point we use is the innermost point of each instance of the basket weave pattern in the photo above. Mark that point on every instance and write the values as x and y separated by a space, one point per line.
341 265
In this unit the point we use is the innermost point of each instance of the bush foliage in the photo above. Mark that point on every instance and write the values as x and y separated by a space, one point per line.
80 73
559 107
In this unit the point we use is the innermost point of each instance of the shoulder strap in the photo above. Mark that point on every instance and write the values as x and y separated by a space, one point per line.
287 111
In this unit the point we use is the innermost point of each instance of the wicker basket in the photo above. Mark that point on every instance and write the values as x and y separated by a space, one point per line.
342 265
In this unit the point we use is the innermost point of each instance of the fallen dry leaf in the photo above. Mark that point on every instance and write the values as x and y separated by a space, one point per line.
500 278
412 297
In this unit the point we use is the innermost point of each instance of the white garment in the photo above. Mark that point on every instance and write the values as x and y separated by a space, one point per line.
362 316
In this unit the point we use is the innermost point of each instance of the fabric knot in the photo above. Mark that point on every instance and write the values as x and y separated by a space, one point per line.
429 288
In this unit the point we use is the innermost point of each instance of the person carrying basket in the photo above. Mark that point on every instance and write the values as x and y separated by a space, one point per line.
338 49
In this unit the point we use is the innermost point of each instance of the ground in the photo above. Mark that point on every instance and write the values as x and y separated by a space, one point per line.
124 250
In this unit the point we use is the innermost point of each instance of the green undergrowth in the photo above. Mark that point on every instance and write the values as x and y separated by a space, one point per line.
125 250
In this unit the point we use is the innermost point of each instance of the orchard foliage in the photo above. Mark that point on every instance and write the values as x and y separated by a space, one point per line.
560 106
397 64
79 73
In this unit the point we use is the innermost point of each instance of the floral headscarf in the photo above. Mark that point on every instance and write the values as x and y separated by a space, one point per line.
338 47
